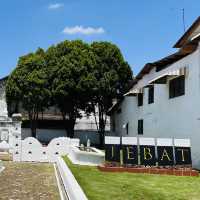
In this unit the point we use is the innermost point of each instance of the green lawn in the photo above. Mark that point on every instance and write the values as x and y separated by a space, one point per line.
99 185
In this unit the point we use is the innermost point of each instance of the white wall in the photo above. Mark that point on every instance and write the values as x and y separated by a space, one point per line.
32 150
177 117
74 191
128 115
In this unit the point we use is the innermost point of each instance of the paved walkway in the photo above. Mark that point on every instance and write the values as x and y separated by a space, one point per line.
28 181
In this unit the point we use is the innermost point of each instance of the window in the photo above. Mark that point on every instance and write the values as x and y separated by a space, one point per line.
151 94
140 99
177 87
126 128
140 127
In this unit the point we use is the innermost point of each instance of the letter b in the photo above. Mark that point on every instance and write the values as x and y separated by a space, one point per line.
147 155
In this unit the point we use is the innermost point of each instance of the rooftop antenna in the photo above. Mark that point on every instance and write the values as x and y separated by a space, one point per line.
183 15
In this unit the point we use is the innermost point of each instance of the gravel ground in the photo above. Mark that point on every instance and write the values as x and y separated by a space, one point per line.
28 181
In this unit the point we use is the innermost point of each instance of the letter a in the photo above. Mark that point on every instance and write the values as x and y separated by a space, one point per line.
165 154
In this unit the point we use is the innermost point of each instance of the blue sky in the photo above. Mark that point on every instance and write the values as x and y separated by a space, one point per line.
144 30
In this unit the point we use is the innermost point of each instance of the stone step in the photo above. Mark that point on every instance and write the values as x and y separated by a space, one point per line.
5 156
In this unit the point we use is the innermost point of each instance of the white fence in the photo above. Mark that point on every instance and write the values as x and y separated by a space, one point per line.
30 149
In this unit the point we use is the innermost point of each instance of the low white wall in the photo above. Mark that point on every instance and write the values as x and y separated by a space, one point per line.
32 150
72 187
79 157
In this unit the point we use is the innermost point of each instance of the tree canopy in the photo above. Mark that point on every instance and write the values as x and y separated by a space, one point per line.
73 76
112 75
28 85
72 64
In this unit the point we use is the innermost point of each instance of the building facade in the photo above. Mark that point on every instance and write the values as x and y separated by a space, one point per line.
164 100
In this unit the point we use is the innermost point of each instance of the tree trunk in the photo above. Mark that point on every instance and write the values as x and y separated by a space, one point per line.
70 128
33 118
65 123
101 132
101 126
69 125
33 132
101 138
33 126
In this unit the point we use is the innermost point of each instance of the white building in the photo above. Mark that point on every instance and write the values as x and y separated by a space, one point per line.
164 100
10 128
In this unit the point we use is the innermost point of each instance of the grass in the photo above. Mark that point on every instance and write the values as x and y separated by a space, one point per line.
99 185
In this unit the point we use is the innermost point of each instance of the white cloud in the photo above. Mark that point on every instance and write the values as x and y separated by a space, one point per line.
55 6
83 30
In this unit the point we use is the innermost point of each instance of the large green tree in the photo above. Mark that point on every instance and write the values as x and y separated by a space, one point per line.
71 64
28 84
113 75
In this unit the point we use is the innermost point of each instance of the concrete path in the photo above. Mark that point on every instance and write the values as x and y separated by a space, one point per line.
28 181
